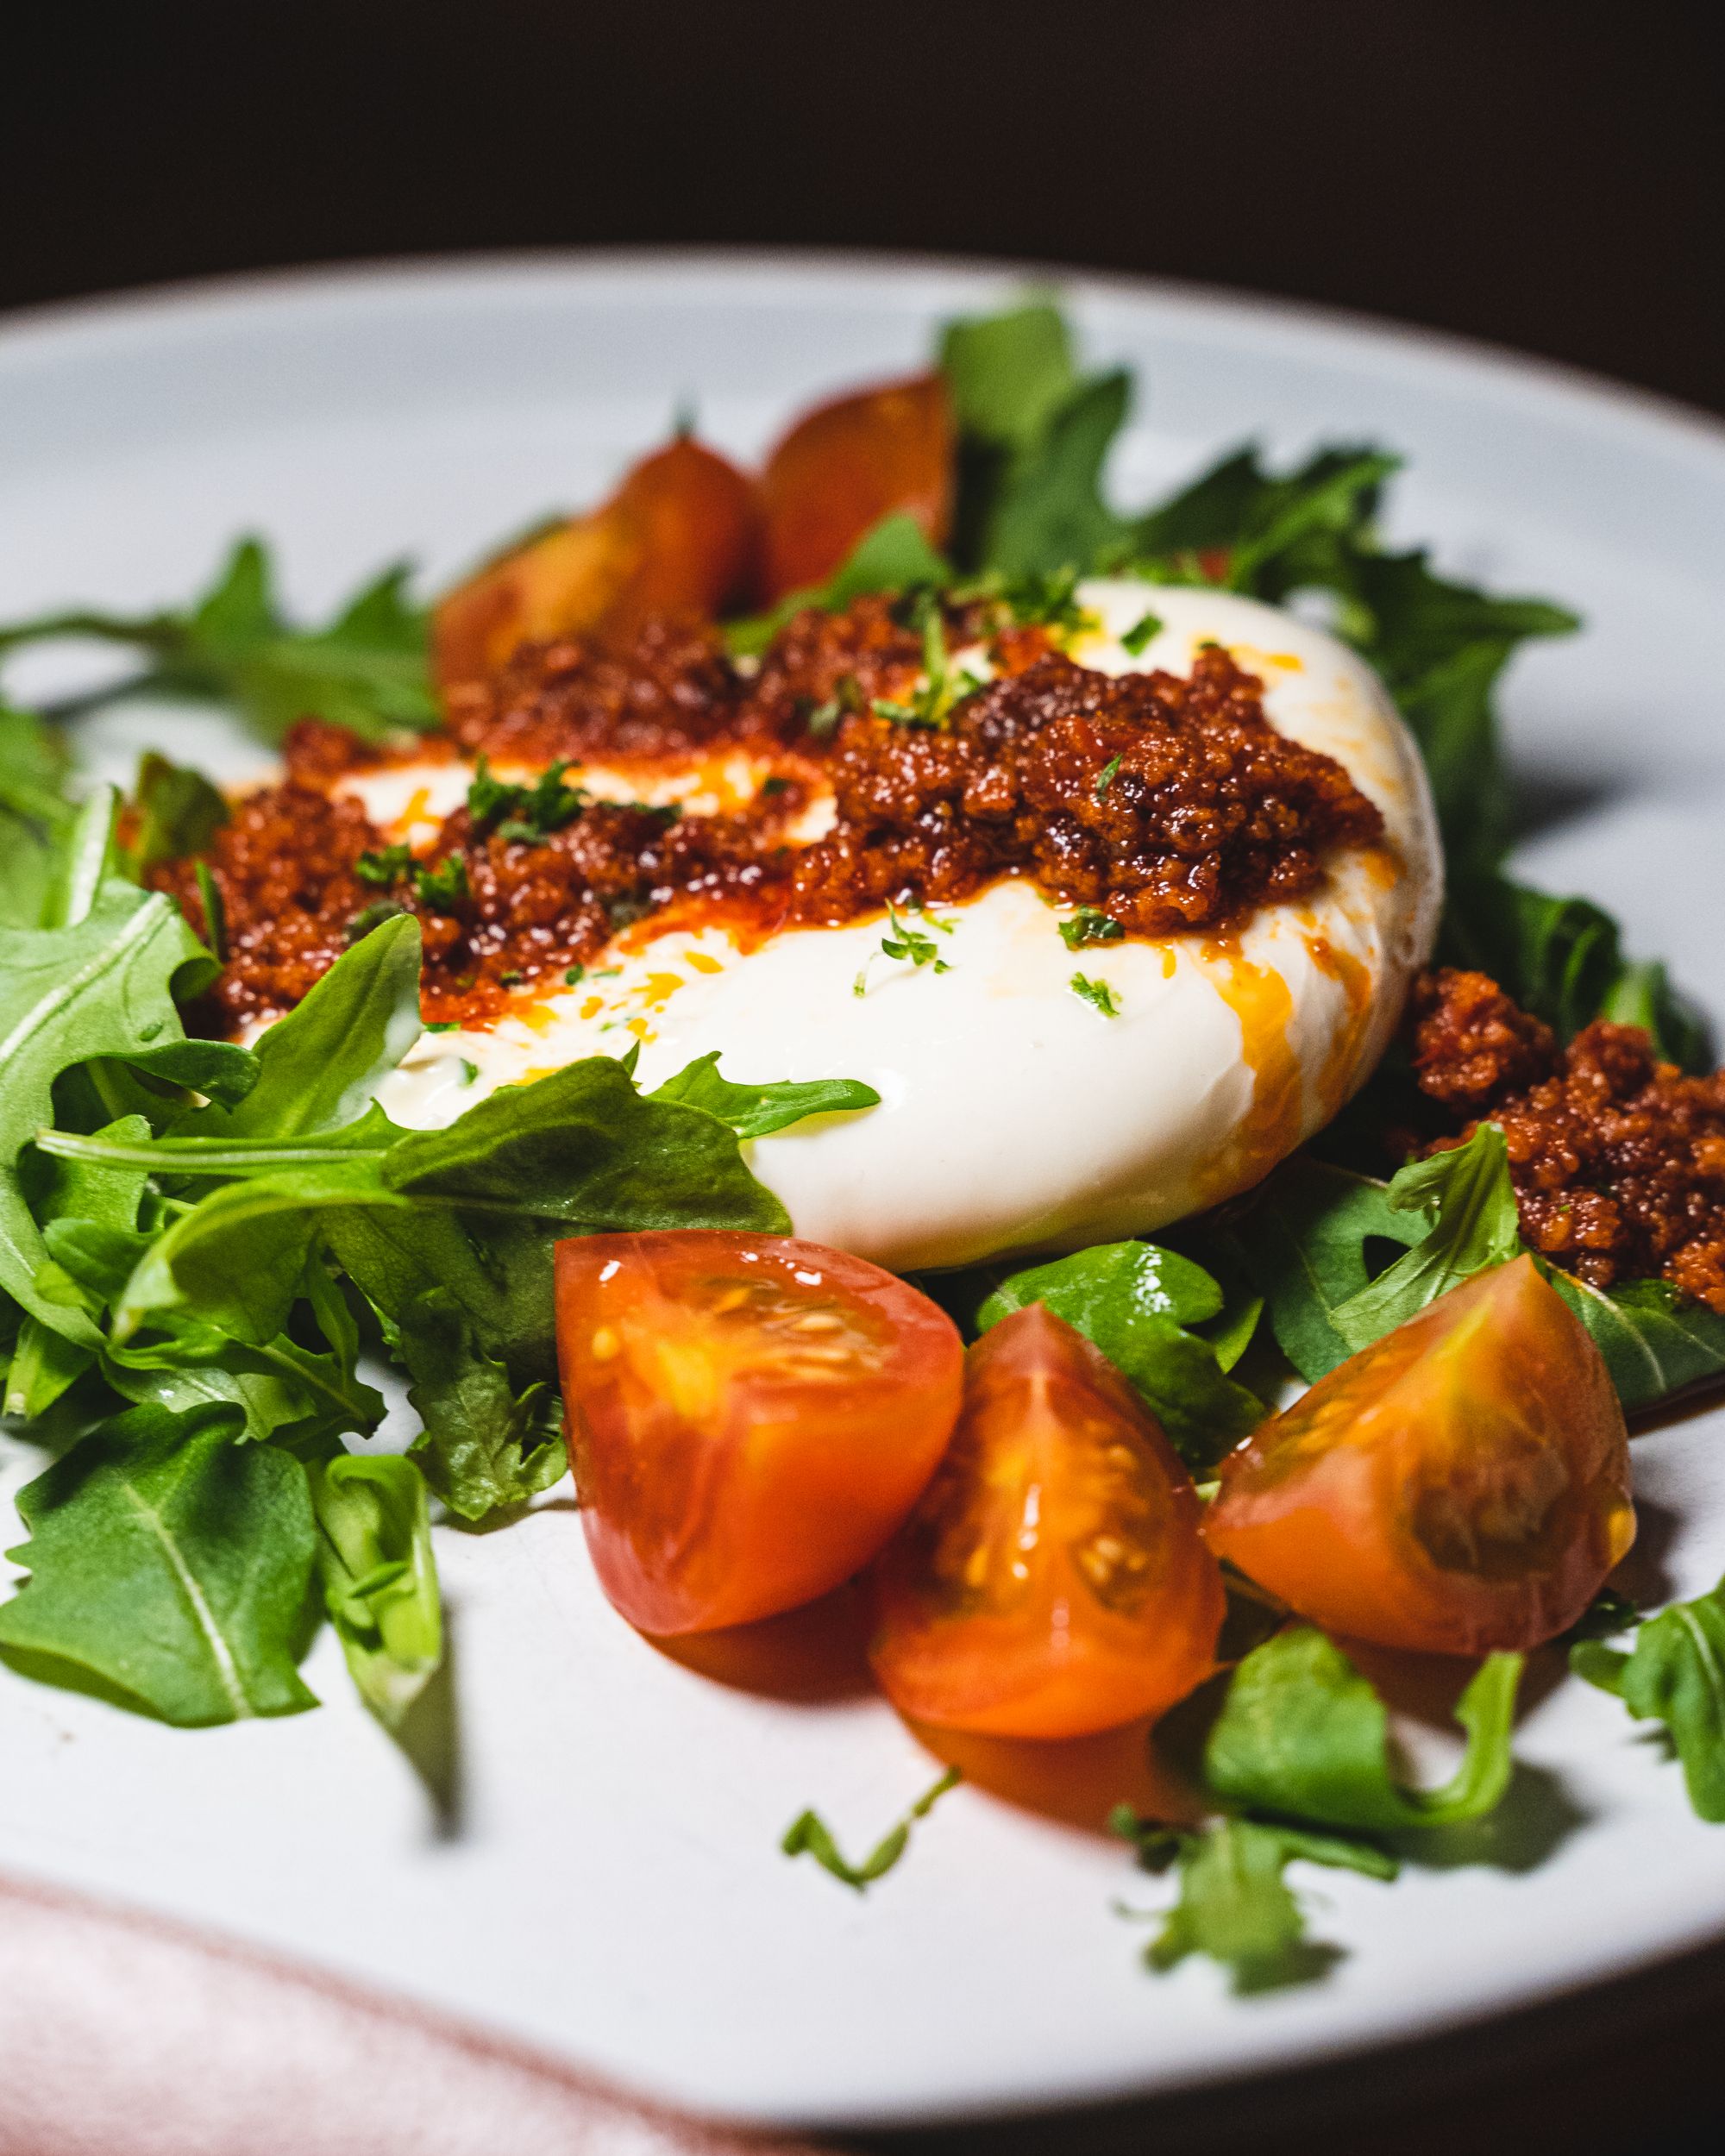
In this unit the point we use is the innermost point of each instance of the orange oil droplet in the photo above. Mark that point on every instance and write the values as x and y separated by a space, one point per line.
1272 1126
1355 978
702 963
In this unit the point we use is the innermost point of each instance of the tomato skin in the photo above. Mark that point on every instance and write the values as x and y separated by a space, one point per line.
680 535
986 1616
749 1417
846 464
1460 1486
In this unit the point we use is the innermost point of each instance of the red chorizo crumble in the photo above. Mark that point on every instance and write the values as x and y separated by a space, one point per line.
1618 1159
1170 804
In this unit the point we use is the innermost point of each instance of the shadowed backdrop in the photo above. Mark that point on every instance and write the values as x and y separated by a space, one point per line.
1549 173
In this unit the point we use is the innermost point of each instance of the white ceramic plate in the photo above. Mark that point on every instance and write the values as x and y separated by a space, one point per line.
614 1892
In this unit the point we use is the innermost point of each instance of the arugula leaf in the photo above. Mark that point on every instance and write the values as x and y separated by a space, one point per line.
1655 1341
178 812
75 1195
759 1110
366 670
1048 511
319 1066
1305 1244
1562 959
1302 1734
1033 437
1467 1202
485 1447
809 1835
1138 1303
1235 1905
169 1569
1675 1674
34 816
1009 373
378 1578
102 985
893 555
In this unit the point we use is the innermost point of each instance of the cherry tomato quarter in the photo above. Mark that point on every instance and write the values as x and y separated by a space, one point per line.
750 1417
1459 1486
1054 1580
680 535
845 466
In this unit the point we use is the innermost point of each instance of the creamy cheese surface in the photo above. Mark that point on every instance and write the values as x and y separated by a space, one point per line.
1015 1114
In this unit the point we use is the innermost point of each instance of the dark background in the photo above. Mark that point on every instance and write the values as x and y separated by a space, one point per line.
1548 173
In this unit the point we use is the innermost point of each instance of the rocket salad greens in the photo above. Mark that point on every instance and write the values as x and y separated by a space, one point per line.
203 1246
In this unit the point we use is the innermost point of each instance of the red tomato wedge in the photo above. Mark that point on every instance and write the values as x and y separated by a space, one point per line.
1054 1580
679 535
1461 1485
845 467
750 1417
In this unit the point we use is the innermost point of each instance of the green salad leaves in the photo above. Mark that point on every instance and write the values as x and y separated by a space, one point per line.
233 645
1674 1674
1164 1322
200 1244
207 1251
1292 1749
1322 1245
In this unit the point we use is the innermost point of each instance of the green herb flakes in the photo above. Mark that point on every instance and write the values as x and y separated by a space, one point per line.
1089 925
1098 994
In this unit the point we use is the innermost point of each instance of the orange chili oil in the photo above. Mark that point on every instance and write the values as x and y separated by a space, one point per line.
1170 805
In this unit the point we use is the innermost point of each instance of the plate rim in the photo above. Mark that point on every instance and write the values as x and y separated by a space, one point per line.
137 312
1648 419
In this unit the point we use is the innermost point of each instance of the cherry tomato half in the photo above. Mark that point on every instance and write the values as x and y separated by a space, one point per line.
1461 1485
679 535
749 1417
1053 1581
845 467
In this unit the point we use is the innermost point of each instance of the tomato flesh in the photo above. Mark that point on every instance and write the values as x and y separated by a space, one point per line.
679 535
1459 1486
749 1417
1054 1580
845 467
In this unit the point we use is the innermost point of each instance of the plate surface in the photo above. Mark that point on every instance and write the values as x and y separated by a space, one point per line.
612 1890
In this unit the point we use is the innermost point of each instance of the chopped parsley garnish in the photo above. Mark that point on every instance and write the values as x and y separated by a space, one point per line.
909 942
933 703
1098 993
391 865
469 1071
524 815
771 787
1089 925
574 977
442 888
1141 635
1105 777
823 721
809 1835
1048 601
443 1026
512 978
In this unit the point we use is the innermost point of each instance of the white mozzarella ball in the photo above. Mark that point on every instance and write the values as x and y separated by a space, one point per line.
1015 1114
